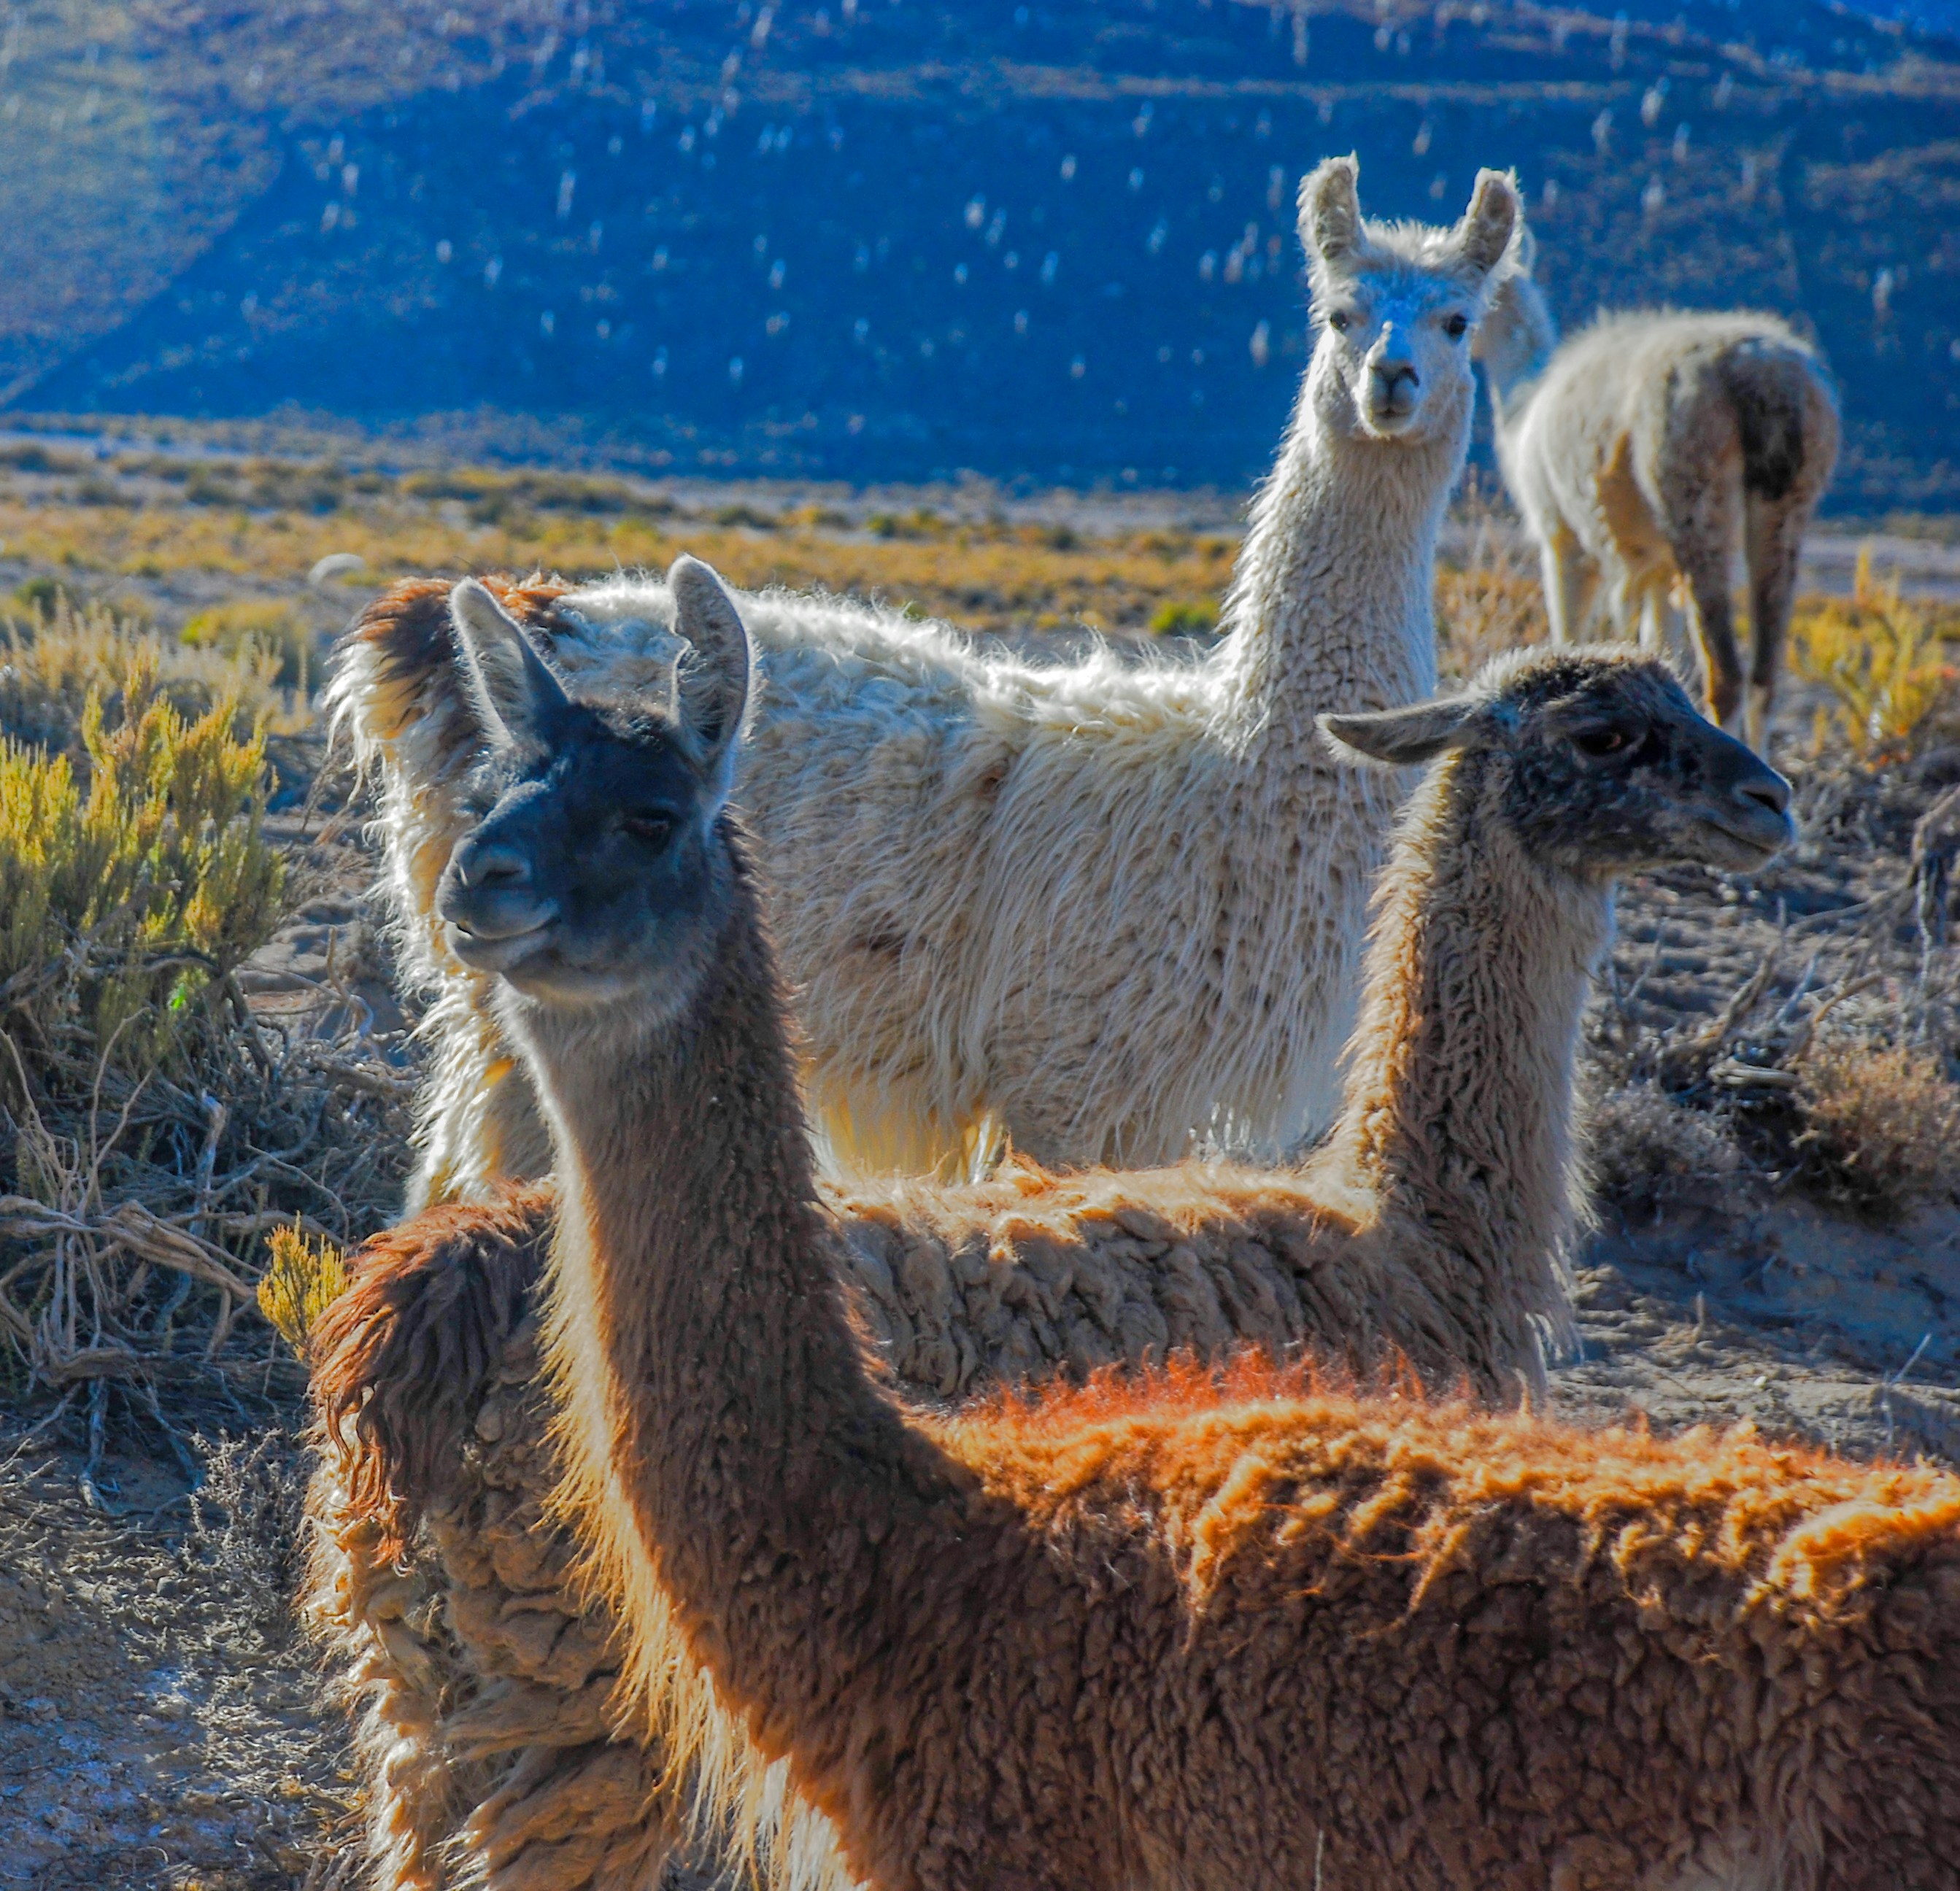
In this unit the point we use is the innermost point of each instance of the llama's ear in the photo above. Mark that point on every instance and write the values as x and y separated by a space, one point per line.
1330 210
1493 222
510 688
1526 256
1404 737
711 680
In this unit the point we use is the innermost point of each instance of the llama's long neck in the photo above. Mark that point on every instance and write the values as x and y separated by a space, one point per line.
1515 341
1332 601
724 1445
1459 1106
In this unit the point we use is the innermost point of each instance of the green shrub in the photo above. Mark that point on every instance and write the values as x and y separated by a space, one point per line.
1186 618
303 1278
748 515
40 597
121 905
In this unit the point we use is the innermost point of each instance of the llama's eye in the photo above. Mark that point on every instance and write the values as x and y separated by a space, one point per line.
1340 321
1457 327
651 826
1601 742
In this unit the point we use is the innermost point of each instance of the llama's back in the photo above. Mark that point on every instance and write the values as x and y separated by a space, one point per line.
1710 1660
993 877
946 827
1640 408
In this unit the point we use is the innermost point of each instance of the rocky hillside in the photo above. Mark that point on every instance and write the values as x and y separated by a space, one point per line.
886 238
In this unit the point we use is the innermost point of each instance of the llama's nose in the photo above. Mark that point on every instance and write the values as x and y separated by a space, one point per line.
1394 381
492 866
1764 788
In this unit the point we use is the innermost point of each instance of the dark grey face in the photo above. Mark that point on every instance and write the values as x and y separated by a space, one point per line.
1612 770
592 867
1598 762
597 869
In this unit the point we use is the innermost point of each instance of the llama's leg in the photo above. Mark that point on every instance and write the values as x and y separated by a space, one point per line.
1703 525
1677 640
1652 629
1570 579
1696 494
1774 539
863 1140
1715 631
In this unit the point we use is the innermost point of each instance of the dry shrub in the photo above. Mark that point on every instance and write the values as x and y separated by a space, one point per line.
246 1526
265 634
1646 1152
53 659
1491 602
1882 660
302 1279
1882 1132
154 1132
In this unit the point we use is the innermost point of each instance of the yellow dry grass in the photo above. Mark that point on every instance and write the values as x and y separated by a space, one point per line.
303 1278
264 524
1883 659
987 577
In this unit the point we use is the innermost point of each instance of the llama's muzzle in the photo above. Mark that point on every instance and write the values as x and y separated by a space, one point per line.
1392 387
1751 803
488 903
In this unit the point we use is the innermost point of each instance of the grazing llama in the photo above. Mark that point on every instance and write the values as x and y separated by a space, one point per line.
1102 908
1232 1629
1644 451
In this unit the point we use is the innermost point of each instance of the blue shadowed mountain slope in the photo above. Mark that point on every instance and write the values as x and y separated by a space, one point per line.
888 240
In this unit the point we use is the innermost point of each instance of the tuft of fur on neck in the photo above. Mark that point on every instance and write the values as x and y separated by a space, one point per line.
1457 1110
691 1258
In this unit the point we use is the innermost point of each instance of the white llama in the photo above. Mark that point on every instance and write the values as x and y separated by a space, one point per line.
1105 908
1643 452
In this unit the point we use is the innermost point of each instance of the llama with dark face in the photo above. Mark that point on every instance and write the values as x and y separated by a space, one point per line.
440 1587
1108 909
1215 1630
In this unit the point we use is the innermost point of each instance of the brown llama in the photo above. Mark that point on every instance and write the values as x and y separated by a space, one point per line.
439 1585
479 1739
1215 1631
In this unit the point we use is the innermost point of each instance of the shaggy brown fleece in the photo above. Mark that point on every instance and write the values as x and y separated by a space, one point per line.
1236 1641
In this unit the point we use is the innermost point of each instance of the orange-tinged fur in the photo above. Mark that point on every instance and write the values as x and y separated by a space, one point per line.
1792 1520
435 1471
1118 1636
1282 1637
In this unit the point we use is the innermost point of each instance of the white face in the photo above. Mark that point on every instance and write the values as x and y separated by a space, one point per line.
1399 343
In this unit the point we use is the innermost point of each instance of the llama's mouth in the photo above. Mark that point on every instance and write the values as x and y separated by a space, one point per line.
1387 421
1740 846
500 952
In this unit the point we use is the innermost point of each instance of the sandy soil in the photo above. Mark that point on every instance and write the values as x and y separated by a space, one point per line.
159 1722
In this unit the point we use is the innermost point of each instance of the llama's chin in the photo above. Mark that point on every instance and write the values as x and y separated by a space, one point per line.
1730 847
